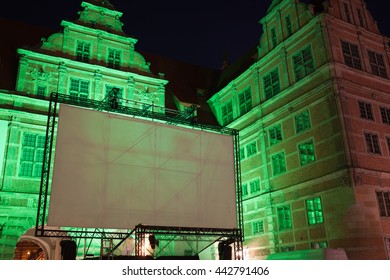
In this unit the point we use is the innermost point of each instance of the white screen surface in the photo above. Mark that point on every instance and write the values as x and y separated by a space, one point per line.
113 171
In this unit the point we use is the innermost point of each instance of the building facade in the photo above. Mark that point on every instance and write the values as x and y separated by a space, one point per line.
311 103
312 111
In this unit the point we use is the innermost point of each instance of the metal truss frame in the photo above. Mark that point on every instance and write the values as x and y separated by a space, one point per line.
151 112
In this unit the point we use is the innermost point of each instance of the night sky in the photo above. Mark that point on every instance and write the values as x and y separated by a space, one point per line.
200 32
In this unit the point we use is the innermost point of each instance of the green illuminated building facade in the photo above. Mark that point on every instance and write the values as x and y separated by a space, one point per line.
311 104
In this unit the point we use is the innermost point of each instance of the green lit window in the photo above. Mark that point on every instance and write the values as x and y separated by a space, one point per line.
79 88
41 90
251 149
254 186
278 163
384 203
288 26
284 217
245 101
32 155
227 113
244 188
242 153
114 58
365 110
385 114
347 13
275 134
302 122
287 248
303 63
83 51
306 152
377 63
271 84
273 38
314 211
372 142
360 16
351 55
258 227
318 245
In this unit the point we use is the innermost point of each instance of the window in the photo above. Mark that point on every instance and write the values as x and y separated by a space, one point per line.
306 152
271 84
278 163
227 113
31 159
387 244
360 17
244 188
388 143
245 101
288 26
314 211
366 110
372 143
258 227
377 64
41 90
83 51
287 248
114 58
242 153
303 63
302 122
346 11
273 38
385 113
351 55
284 217
275 134
254 186
384 203
251 149
320 244
79 88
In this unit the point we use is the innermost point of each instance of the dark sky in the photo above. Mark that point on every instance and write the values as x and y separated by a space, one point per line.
199 32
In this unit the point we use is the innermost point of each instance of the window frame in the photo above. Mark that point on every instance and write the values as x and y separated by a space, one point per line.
302 121
377 64
306 154
275 134
284 217
114 58
303 63
258 227
227 116
373 144
383 200
271 84
278 163
83 51
81 84
385 114
245 101
365 110
315 214
351 55
31 146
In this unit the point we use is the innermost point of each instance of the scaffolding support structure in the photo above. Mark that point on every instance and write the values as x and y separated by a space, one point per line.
153 113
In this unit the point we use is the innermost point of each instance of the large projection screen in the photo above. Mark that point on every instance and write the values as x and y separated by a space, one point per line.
113 171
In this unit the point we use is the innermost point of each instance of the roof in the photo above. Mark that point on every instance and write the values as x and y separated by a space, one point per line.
188 83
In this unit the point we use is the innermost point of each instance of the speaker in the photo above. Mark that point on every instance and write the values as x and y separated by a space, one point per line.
224 251
68 249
